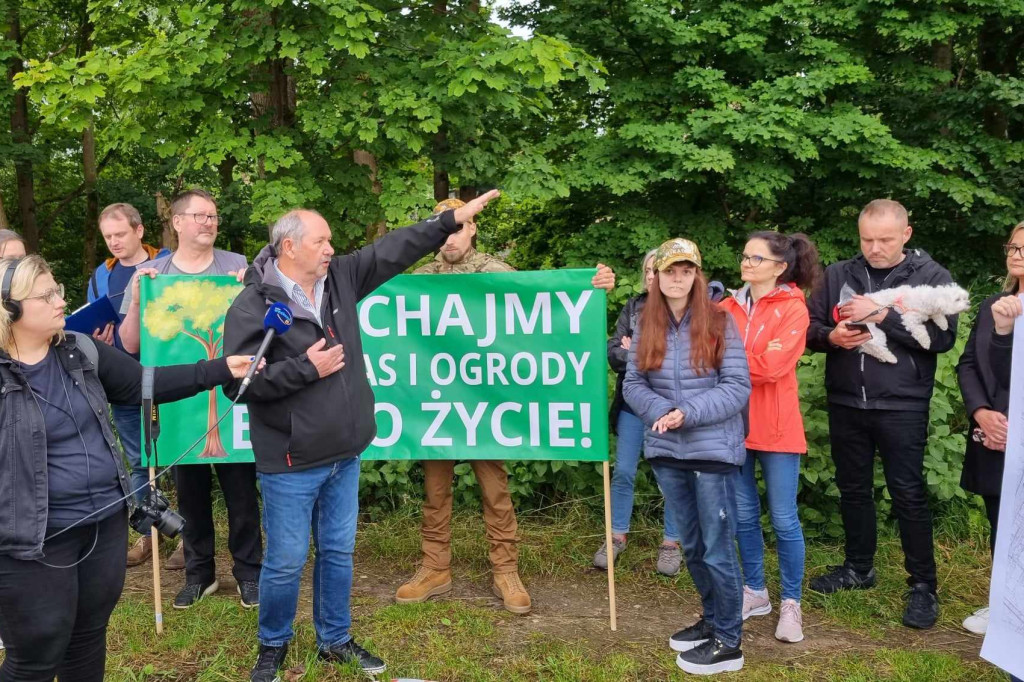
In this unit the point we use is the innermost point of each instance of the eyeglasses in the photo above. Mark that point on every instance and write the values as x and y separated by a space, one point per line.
1011 249
49 296
203 218
755 260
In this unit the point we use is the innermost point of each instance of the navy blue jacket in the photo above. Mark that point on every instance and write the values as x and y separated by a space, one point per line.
713 403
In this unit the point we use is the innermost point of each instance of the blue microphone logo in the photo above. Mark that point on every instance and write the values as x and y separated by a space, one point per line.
279 318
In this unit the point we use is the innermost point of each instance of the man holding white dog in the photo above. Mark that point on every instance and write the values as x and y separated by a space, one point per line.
877 405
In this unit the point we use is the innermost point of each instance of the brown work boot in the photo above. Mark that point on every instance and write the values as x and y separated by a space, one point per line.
141 551
176 561
425 584
509 588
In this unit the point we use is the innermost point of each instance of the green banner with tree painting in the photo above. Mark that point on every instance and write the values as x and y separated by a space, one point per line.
482 366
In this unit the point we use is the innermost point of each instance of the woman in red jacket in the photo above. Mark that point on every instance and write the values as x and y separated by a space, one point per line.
771 313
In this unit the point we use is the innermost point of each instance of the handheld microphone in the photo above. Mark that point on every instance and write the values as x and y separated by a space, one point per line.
277 321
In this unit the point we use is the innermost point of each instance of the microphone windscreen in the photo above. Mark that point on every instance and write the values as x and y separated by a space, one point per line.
279 318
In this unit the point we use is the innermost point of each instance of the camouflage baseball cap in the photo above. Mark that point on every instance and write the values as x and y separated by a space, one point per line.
676 251
449 204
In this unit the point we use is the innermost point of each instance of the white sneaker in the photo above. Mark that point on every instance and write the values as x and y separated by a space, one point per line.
977 622
755 602
791 622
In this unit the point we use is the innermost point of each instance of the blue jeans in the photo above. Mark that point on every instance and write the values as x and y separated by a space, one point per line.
326 498
705 507
628 447
128 420
781 473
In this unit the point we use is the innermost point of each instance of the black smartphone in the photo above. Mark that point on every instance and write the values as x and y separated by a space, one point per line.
861 327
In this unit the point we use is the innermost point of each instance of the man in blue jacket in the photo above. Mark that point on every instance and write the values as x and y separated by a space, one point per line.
874 405
122 230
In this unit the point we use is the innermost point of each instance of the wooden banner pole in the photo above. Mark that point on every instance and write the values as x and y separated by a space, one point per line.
609 547
154 536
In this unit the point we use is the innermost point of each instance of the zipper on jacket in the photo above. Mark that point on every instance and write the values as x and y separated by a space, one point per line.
863 381
679 359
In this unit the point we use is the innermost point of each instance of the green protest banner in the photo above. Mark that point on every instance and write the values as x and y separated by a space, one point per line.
482 366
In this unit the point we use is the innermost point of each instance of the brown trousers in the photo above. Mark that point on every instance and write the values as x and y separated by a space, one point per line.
499 515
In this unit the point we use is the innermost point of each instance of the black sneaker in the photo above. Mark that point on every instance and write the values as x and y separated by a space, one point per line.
350 651
922 607
249 590
711 657
843 577
193 592
270 660
693 636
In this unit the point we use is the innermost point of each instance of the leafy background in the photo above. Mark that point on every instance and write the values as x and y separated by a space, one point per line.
611 126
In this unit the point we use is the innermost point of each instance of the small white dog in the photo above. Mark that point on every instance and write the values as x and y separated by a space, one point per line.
916 305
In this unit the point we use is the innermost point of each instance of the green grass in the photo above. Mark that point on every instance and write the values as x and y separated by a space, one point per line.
852 636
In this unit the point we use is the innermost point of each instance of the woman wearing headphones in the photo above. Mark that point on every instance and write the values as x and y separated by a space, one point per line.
63 486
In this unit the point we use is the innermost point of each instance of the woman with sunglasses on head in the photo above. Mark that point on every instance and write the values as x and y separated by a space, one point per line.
984 375
687 379
770 311
63 486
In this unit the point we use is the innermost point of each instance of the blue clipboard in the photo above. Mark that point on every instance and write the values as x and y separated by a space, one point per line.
92 317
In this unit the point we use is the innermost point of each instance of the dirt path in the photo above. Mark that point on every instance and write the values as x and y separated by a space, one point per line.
576 610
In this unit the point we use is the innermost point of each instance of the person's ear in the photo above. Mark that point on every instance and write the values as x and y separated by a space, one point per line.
907 233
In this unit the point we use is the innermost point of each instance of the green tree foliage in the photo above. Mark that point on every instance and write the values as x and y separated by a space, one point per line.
333 104
724 117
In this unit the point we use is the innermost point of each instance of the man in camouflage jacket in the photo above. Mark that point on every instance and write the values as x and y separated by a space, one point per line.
458 256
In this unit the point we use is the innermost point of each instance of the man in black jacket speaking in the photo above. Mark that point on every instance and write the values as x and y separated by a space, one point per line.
880 405
311 414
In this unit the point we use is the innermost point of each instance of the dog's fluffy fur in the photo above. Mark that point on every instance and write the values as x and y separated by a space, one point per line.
916 305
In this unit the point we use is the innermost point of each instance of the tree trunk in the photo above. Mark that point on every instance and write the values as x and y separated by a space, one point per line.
442 185
374 230
942 58
214 447
996 121
89 169
92 202
21 135
235 234
168 238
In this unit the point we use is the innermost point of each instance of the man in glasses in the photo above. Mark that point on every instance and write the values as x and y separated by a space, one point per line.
195 219
123 231
875 405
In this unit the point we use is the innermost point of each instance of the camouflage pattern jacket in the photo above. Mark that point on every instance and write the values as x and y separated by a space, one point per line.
473 262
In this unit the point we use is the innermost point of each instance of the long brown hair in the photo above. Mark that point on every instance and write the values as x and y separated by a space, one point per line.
707 328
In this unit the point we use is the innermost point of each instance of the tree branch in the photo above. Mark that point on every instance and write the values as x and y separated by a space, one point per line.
47 222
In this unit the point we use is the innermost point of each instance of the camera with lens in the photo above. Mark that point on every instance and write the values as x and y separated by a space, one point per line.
156 511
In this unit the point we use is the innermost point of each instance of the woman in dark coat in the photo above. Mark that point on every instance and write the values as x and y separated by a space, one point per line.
984 375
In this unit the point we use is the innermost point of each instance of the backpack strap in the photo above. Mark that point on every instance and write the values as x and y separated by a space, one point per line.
87 345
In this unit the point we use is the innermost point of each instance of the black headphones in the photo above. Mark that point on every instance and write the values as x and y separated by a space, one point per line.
12 307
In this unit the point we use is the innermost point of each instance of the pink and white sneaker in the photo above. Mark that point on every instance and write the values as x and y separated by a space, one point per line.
791 622
755 603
